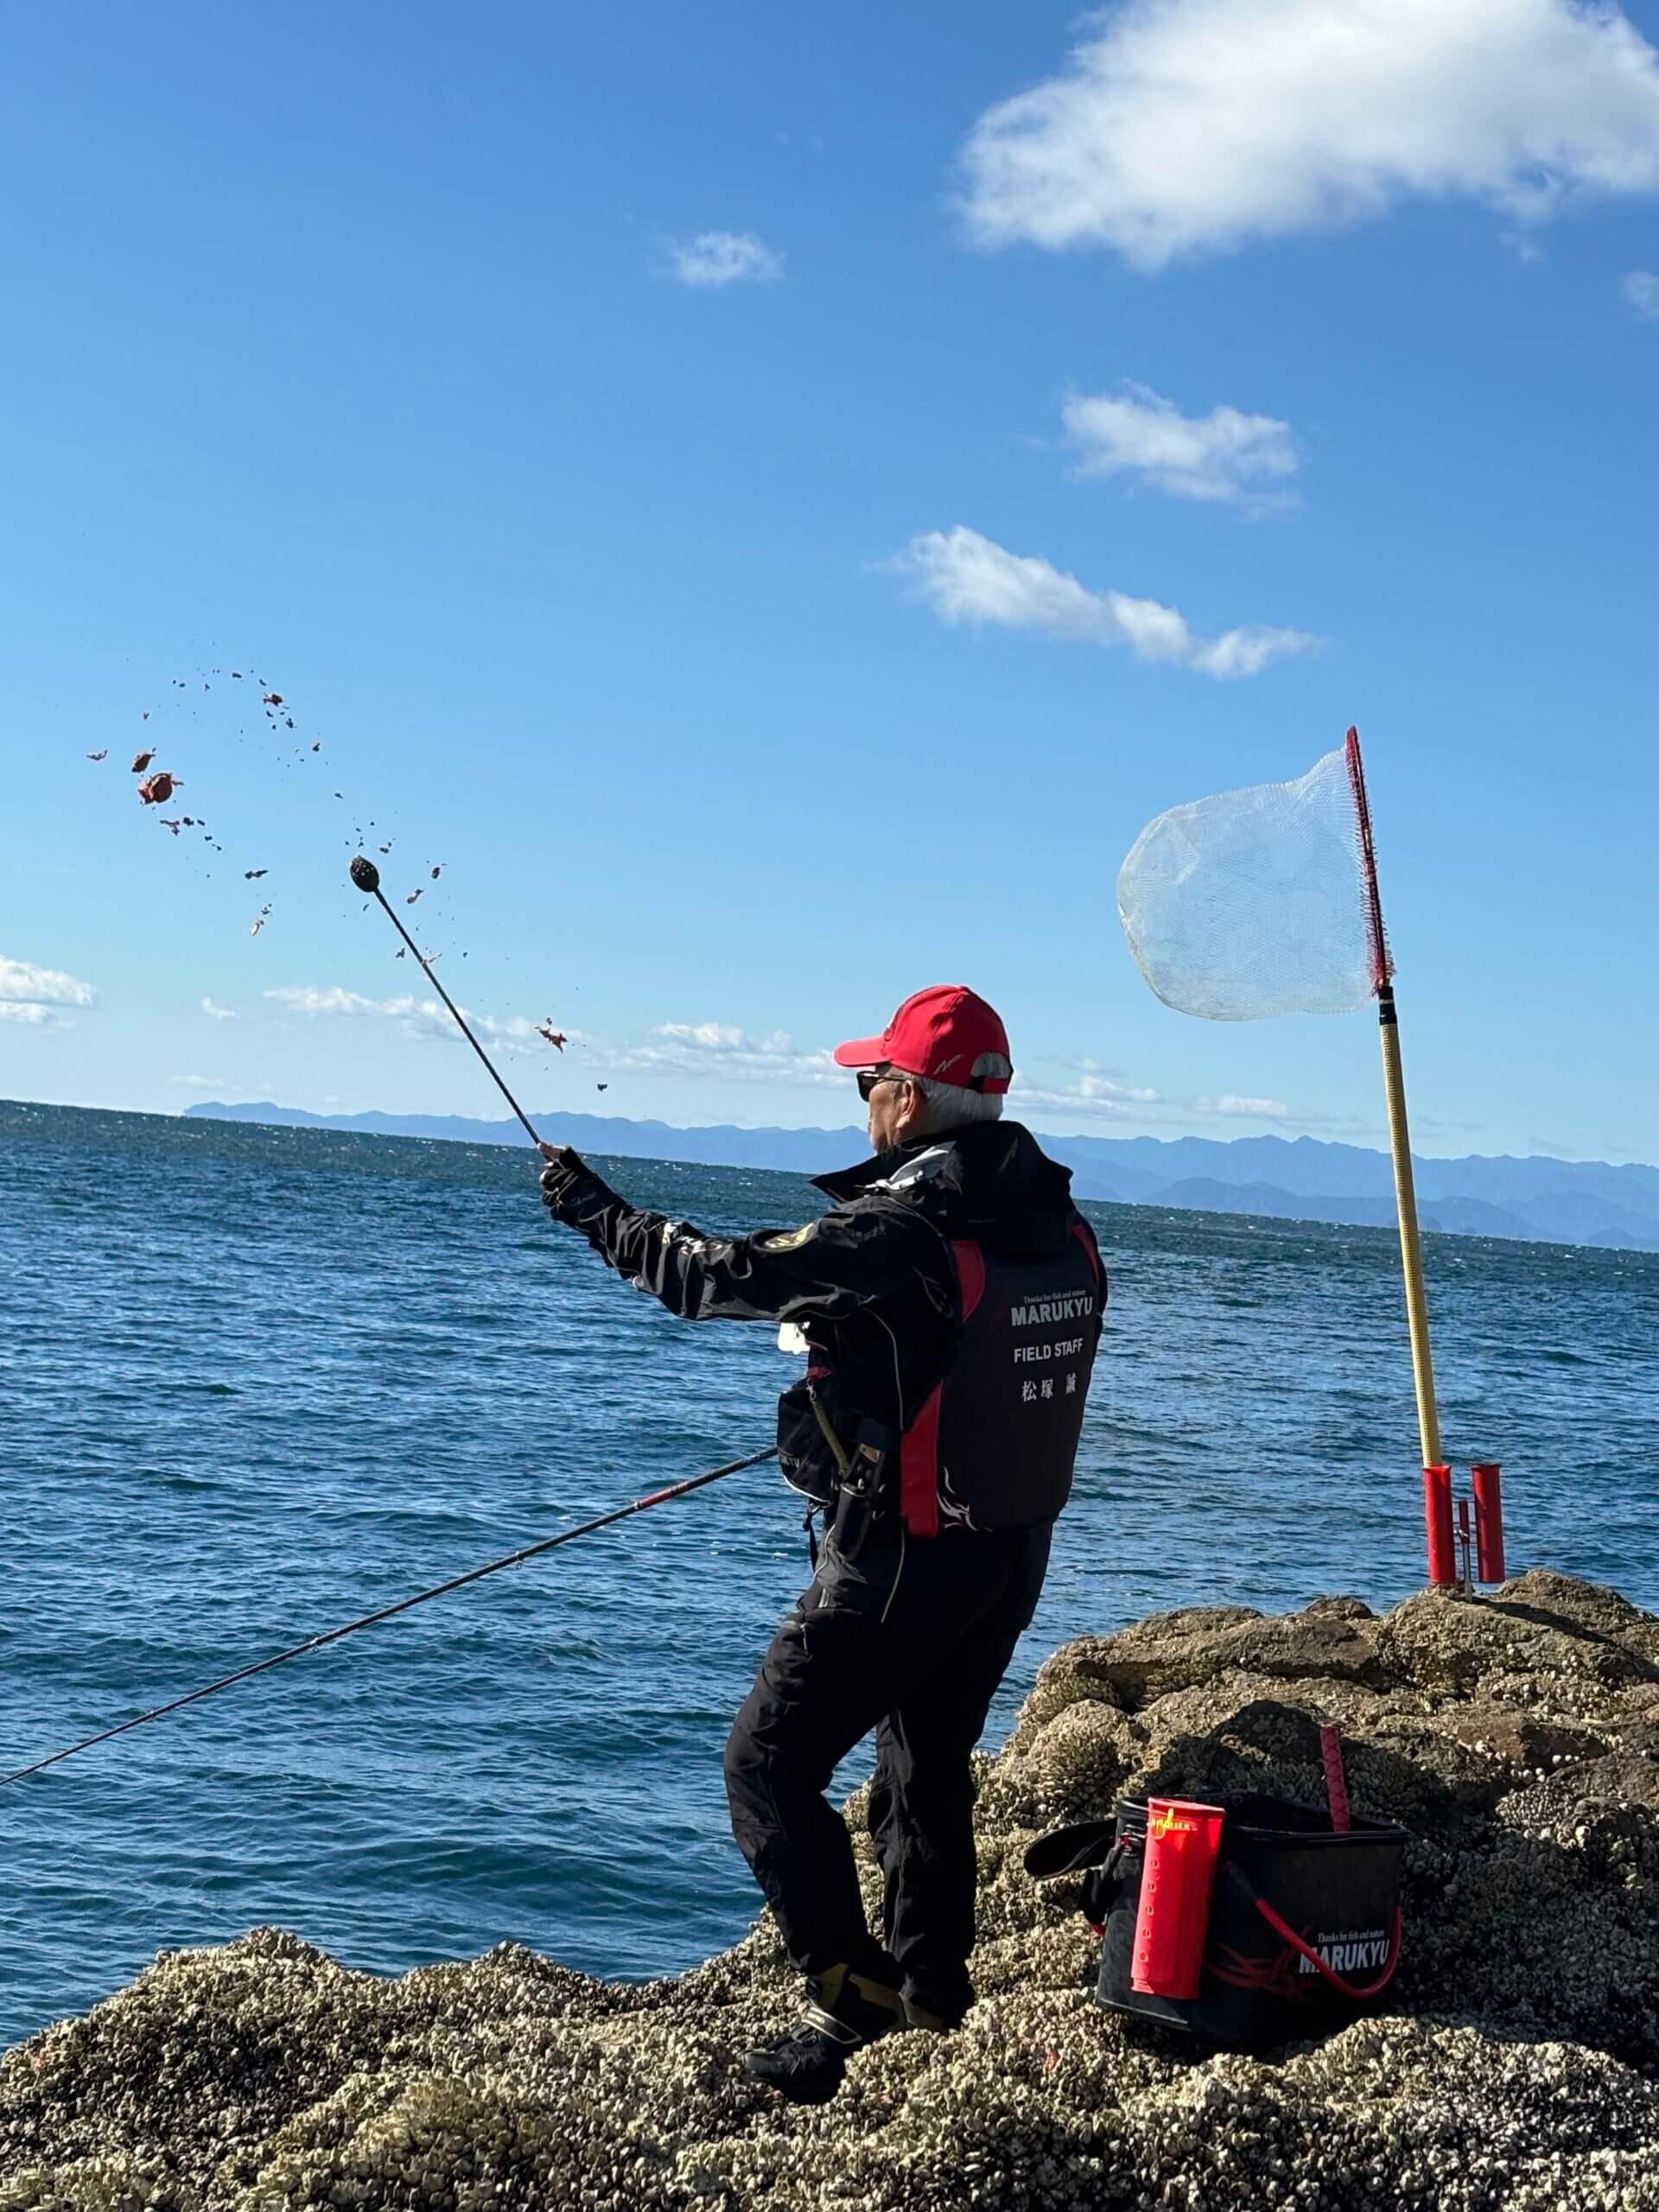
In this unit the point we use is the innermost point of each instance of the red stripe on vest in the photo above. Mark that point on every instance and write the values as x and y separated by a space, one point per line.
919 1450
919 1469
971 1274
1085 1236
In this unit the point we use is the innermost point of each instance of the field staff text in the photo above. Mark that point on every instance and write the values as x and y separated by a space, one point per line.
1067 1349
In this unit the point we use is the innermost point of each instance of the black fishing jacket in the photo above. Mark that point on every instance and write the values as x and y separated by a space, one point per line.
872 1284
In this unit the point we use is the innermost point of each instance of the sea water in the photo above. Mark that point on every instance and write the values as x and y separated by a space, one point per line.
255 1382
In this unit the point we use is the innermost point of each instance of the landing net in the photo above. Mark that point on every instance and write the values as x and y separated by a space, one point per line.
1260 901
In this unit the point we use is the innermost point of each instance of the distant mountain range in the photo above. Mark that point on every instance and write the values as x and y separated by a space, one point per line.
1554 1201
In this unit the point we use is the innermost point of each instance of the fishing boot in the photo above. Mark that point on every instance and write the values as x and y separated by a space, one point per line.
843 2012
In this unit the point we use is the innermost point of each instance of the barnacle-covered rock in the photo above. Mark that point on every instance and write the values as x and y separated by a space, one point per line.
1517 1739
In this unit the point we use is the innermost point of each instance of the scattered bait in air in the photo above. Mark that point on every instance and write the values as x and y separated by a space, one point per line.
156 790
142 760
104 755
556 1038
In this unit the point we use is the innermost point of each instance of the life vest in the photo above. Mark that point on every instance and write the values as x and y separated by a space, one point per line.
995 1442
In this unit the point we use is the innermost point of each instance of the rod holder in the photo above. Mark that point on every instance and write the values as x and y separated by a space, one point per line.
1488 1520
1437 1512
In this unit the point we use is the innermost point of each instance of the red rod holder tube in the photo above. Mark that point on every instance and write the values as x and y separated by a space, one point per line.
1437 1511
1488 1520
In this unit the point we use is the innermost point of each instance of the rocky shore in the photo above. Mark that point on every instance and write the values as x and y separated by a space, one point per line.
1516 1737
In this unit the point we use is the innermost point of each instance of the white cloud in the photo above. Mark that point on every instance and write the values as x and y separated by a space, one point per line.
1640 290
1224 454
198 1082
517 1029
428 1019
1090 1094
1254 1109
1189 126
21 979
306 998
722 1050
219 1013
717 258
425 1018
968 578
32 996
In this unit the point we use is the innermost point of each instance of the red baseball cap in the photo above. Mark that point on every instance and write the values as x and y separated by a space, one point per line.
943 1033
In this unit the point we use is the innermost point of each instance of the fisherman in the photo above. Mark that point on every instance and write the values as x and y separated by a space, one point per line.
950 1303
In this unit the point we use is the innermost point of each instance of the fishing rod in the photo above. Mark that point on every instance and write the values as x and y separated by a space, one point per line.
365 875
385 1612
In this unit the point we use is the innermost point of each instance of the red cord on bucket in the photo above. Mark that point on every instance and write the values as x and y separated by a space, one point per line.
1336 1780
1304 1949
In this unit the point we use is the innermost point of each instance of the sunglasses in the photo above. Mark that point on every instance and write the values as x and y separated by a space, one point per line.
869 1077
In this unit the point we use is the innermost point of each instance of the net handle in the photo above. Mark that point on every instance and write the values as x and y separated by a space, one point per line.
1394 1081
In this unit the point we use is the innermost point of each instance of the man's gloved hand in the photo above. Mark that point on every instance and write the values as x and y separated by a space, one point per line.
564 1170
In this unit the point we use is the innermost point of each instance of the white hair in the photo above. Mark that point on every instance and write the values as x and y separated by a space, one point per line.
954 1105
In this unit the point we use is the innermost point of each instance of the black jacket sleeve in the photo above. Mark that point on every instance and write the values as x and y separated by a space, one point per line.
827 1270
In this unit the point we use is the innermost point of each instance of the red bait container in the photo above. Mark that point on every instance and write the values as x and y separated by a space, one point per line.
1171 1917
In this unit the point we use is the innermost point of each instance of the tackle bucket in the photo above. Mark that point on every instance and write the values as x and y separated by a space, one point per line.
1303 1931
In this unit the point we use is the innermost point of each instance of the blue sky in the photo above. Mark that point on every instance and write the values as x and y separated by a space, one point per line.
715 637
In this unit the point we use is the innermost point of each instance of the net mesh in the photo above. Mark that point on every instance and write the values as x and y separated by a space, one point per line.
1256 902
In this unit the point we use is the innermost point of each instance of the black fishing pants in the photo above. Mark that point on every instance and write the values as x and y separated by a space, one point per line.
910 1639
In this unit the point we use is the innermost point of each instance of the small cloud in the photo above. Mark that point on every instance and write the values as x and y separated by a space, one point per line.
1252 1109
723 1050
967 578
1182 127
1640 290
34 996
198 1082
424 1018
1091 1094
713 258
22 979
428 1019
1223 456
219 1013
